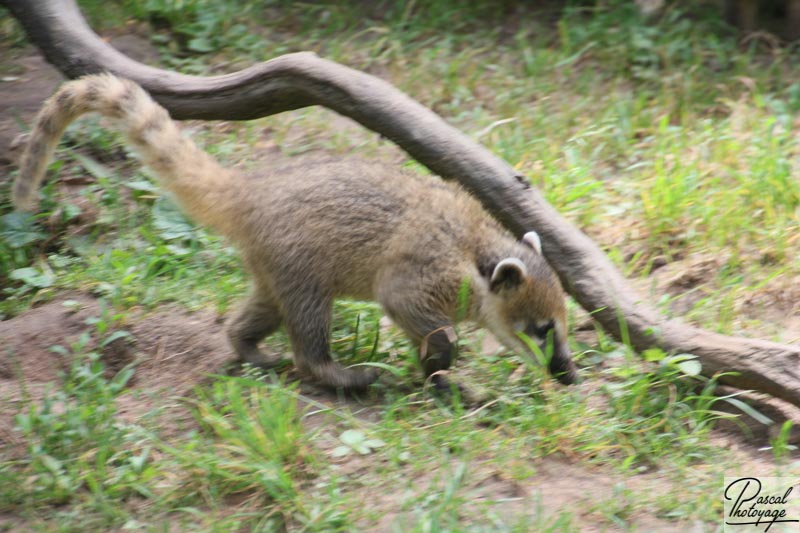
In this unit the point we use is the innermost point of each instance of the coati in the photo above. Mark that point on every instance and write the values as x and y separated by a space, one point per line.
332 230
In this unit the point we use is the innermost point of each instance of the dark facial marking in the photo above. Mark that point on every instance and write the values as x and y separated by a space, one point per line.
540 332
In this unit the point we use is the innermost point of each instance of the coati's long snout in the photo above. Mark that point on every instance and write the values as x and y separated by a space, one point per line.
525 307
312 234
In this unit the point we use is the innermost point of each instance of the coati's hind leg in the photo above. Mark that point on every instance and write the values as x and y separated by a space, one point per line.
308 324
258 317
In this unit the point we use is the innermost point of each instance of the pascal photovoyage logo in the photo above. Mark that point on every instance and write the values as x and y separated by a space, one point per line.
764 504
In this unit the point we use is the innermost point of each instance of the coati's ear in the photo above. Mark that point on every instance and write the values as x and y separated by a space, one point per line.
508 274
532 239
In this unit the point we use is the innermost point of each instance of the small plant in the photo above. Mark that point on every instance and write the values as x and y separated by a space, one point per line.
660 409
355 441
74 439
251 444
781 448
21 241
439 509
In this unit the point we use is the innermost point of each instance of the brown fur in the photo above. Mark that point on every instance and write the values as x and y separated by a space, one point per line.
326 231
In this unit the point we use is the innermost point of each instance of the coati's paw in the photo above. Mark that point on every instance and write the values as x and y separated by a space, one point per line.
440 383
350 379
564 370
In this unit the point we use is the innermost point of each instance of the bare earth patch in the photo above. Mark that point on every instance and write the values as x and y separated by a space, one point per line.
173 351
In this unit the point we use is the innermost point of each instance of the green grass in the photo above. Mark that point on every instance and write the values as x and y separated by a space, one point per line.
664 139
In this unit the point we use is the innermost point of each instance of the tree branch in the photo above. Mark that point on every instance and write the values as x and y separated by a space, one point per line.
298 80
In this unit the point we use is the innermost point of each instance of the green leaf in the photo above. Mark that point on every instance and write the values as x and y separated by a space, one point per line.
141 185
200 44
170 222
685 362
341 451
31 276
653 354
96 169
358 442
375 443
71 211
352 437
382 366
19 229
750 411
138 461
119 334
51 463
690 368
60 350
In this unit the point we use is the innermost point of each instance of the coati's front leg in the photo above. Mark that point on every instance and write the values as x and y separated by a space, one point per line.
308 324
438 350
258 317
425 324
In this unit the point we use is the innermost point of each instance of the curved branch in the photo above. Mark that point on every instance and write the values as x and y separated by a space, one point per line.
298 80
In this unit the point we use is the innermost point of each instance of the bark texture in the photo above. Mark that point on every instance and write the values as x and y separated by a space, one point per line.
303 79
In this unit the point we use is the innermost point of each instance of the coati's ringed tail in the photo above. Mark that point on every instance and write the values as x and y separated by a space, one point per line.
197 180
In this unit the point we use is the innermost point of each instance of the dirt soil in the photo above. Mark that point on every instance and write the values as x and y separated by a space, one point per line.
175 350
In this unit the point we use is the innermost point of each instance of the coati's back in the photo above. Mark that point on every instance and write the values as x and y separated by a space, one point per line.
346 219
411 242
